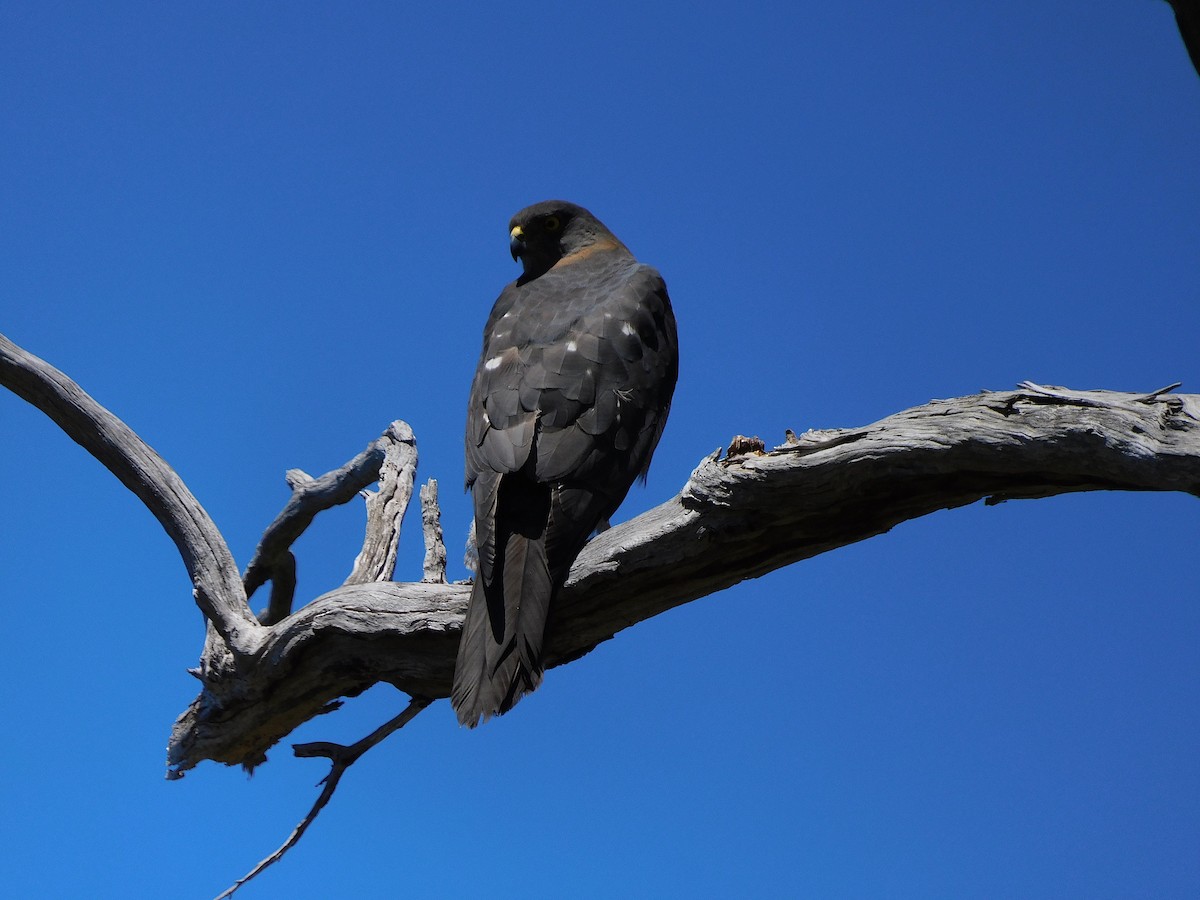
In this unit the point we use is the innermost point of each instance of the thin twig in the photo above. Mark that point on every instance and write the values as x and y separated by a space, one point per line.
343 758
1154 395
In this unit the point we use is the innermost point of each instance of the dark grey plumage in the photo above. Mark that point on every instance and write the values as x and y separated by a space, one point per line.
1187 17
579 362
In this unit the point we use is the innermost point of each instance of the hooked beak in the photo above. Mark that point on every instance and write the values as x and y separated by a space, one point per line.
516 243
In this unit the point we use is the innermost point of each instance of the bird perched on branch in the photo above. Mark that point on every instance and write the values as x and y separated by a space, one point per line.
579 362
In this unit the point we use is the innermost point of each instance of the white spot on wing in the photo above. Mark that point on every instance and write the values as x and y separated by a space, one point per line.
492 364
572 346
626 328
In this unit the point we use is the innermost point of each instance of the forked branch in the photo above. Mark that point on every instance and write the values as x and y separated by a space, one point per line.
390 459
736 518
342 758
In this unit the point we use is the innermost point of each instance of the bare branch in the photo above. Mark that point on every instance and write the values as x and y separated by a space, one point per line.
282 571
273 559
431 521
217 588
736 518
386 507
1154 395
343 758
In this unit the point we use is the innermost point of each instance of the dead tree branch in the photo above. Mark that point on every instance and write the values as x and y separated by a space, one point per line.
434 567
394 451
736 518
392 460
342 758
386 507
217 587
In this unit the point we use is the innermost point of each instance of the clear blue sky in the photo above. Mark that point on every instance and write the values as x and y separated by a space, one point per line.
260 232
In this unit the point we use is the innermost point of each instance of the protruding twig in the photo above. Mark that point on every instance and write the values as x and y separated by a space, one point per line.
431 523
741 445
343 758
1061 395
1154 395
297 478
386 507
273 560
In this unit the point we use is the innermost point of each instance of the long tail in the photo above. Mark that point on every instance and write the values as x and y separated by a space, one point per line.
500 653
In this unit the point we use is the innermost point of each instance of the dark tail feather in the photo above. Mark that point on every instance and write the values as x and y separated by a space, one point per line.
469 668
527 592
500 653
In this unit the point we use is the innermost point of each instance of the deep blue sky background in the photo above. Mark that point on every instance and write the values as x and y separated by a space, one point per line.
260 232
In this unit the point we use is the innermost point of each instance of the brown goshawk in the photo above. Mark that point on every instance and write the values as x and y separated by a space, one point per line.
579 362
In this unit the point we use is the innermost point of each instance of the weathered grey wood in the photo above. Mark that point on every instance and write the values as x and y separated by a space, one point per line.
434 566
217 587
386 507
735 519
273 559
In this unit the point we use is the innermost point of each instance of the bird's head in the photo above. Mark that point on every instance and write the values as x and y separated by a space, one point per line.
542 234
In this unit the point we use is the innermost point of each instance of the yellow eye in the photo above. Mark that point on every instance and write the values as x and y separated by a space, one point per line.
551 223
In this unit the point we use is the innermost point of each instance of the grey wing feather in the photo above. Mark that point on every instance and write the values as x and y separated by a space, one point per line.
626 349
